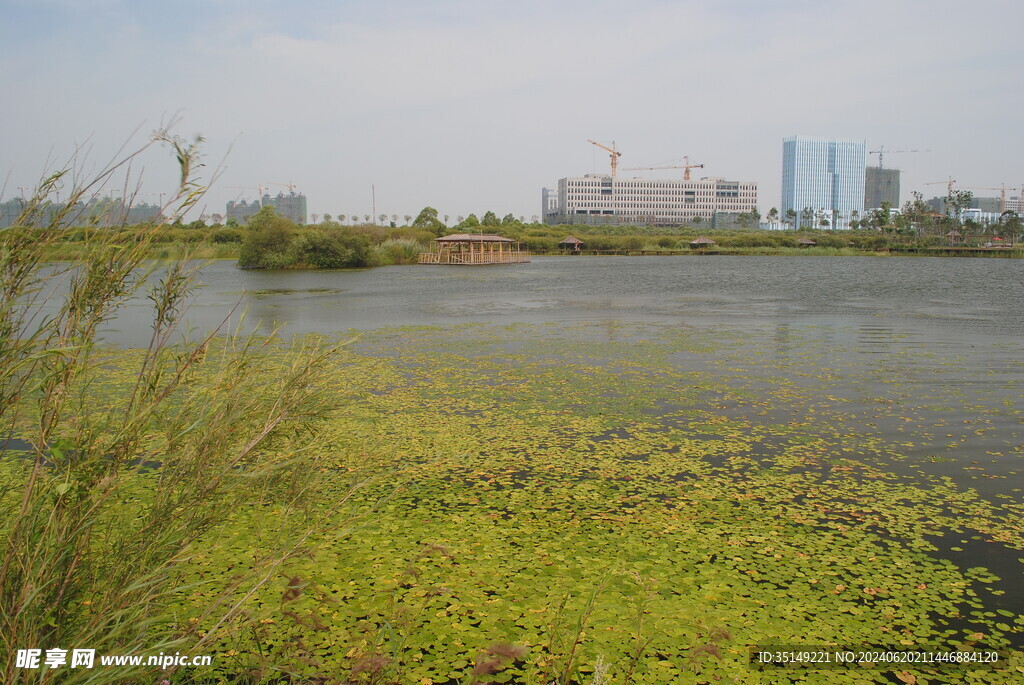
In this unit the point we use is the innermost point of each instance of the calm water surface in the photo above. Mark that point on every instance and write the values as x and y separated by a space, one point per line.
878 299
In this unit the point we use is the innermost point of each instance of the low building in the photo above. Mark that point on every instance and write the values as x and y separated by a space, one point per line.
603 199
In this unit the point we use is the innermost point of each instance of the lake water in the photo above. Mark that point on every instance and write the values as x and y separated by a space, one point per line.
866 301
920 358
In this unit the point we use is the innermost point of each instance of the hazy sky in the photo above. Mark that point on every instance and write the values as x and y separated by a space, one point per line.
472 105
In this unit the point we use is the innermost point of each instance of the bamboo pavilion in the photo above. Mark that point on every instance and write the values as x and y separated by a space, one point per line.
474 248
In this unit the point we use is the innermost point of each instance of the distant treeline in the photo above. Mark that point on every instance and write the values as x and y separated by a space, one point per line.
270 241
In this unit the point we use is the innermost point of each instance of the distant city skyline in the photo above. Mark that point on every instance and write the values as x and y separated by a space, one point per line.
387 107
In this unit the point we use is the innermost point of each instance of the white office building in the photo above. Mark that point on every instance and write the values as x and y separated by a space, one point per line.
824 179
603 199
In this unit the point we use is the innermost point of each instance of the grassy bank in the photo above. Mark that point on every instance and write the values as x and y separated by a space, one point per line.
330 245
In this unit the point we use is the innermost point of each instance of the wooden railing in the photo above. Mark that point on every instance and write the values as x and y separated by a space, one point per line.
496 257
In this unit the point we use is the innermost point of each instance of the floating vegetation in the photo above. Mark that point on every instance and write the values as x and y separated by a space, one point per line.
610 503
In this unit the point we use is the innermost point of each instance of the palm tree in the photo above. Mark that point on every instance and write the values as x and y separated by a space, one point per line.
773 217
408 218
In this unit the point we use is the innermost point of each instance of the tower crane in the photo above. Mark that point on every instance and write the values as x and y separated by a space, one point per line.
686 166
290 186
259 189
881 151
948 182
615 154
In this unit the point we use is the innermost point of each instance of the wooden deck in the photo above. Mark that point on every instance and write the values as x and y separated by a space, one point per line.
504 257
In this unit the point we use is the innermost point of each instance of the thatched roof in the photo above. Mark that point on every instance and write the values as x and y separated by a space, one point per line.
570 240
473 238
806 241
702 241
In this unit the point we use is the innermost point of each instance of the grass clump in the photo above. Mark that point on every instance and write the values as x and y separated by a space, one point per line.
132 458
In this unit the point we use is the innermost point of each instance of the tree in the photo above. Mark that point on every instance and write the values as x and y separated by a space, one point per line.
958 201
427 219
316 217
490 219
1010 224
383 219
773 217
791 217
327 218
366 218
806 218
471 221
267 242
508 220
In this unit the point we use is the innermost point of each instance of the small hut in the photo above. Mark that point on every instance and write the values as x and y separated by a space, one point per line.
702 243
571 244
955 237
806 242
472 248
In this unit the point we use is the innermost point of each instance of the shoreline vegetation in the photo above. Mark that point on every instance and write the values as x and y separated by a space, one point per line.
269 241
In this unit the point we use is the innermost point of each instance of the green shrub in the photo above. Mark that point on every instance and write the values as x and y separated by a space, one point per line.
331 249
268 241
226 235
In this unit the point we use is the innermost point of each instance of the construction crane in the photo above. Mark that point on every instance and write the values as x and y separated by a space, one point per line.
949 183
686 165
1002 194
289 186
881 151
615 154
259 189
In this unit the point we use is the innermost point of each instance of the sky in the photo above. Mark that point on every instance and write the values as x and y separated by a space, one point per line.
472 105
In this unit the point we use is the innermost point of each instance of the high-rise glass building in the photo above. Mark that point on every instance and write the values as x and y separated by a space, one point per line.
824 179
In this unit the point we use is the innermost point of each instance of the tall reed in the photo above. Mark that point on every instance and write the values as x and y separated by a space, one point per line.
91 544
